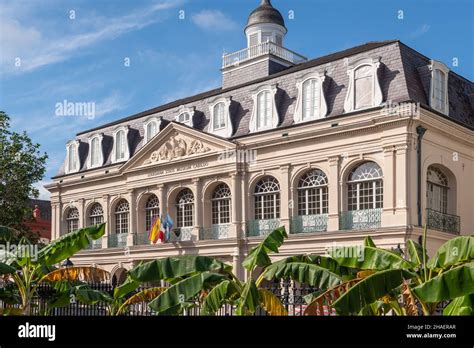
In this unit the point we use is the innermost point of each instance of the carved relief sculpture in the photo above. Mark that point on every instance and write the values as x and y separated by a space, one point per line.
177 147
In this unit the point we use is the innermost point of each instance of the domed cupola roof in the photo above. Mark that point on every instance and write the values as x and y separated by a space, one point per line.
265 13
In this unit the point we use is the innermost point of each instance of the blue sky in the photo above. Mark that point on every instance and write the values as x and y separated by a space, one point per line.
81 59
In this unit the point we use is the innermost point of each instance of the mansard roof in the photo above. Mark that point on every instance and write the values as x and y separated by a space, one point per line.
403 76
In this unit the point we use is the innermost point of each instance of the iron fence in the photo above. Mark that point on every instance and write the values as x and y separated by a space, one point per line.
289 293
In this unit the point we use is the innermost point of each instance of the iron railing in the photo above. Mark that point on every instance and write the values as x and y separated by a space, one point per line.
141 239
261 228
309 223
220 231
436 220
95 244
360 219
182 234
261 49
117 240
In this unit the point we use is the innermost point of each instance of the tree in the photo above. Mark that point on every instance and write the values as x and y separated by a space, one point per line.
21 165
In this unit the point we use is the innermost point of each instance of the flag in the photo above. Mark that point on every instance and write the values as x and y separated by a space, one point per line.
154 233
161 233
169 227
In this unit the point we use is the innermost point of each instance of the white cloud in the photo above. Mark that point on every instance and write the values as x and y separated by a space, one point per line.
43 193
420 31
37 48
213 20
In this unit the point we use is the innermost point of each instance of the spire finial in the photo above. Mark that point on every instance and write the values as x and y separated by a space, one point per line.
265 3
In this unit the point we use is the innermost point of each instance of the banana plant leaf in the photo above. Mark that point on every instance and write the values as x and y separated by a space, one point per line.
448 285
368 291
222 293
271 304
90 296
146 295
258 256
10 295
169 302
69 244
8 234
6 269
249 300
176 267
453 252
310 274
127 287
85 274
369 242
367 257
463 305
415 253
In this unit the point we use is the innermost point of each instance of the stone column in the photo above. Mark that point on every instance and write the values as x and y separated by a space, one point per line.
132 223
197 208
236 206
161 194
245 201
82 213
285 196
59 218
334 193
108 216
401 186
388 186
237 263
54 227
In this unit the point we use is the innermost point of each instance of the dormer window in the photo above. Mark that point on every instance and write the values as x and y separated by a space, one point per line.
265 113
72 163
120 151
96 158
152 127
439 87
220 123
311 104
185 116
364 88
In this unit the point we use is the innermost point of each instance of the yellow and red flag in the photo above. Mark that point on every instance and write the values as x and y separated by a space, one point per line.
155 231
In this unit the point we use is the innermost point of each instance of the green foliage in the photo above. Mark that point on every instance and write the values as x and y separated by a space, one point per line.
225 292
463 305
258 256
21 165
453 252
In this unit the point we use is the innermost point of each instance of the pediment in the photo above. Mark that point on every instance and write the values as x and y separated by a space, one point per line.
177 143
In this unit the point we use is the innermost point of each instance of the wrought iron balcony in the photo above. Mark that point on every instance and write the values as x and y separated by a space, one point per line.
141 239
215 232
95 244
360 219
117 240
182 234
261 49
436 220
309 223
261 228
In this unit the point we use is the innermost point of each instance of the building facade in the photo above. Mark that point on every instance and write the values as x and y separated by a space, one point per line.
376 140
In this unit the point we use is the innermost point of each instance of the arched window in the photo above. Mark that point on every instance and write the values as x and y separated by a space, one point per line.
219 116
311 100
151 130
96 214
313 193
267 199
72 220
439 90
152 211
73 158
365 187
185 208
221 205
363 89
185 117
95 152
122 211
120 145
264 110
437 190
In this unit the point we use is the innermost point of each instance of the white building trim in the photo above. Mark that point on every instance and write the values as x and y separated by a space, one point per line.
90 165
227 130
320 99
125 129
274 117
183 110
76 164
375 90
434 67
